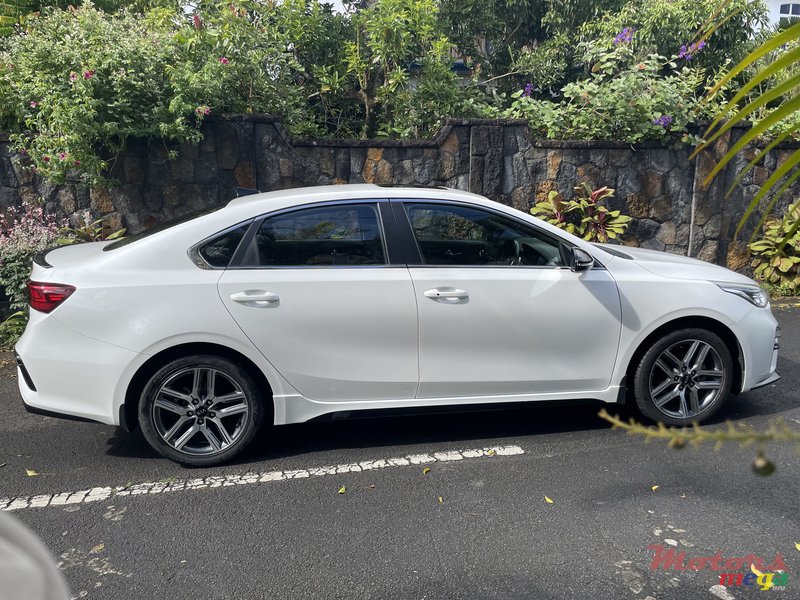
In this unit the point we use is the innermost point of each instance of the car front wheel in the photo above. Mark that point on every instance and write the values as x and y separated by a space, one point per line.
684 377
200 410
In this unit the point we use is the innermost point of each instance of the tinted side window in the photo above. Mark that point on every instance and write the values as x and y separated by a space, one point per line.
344 235
219 251
462 235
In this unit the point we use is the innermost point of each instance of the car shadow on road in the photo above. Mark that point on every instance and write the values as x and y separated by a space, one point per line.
485 426
492 425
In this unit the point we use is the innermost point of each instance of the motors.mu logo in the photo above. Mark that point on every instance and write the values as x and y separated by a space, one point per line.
745 571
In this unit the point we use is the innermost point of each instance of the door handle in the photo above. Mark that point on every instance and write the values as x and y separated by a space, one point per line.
255 297
446 294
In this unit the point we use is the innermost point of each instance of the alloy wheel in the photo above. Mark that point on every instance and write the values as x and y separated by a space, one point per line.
686 379
200 411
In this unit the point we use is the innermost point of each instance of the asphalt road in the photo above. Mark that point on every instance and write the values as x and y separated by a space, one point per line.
476 525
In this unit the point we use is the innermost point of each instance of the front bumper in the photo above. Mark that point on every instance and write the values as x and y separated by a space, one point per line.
771 379
759 335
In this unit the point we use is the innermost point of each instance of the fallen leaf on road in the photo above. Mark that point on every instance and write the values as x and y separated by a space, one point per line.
97 549
441 500
655 487
426 470
548 500
342 489
797 546
31 473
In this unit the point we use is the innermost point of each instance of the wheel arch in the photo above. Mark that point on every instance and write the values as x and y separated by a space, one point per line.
128 411
708 323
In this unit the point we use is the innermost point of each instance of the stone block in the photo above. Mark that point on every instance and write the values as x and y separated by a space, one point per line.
661 209
244 174
189 150
181 170
554 159
738 257
590 174
23 170
637 206
652 183
404 172
228 148
708 252
667 233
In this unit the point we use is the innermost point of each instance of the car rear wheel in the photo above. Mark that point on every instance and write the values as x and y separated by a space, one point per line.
200 410
684 377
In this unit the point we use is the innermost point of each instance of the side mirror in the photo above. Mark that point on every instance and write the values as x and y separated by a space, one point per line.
581 261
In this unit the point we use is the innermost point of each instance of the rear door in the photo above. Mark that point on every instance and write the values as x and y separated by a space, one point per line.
318 296
500 311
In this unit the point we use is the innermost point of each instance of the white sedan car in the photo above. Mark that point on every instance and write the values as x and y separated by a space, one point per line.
287 306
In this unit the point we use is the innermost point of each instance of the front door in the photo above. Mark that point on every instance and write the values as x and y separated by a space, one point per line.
501 313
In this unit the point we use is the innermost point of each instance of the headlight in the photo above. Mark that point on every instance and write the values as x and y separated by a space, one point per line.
753 294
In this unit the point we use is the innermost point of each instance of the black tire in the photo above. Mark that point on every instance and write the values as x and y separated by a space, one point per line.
675 391
210 395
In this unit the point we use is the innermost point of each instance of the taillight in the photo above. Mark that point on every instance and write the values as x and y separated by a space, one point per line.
45 297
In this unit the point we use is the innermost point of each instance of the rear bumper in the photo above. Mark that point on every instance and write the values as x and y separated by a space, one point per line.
65 374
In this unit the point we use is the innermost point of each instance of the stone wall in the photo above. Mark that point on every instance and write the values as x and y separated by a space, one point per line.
658 185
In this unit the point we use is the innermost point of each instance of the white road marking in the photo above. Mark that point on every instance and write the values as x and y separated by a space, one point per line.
721 592
99 494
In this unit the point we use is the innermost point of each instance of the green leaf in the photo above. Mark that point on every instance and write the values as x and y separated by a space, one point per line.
776 116
788 35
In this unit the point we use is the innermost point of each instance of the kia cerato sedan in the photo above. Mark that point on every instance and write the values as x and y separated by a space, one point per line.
286 306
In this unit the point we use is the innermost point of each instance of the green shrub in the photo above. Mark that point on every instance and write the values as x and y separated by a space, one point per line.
23 232
585 215
80 81
627 97
776 255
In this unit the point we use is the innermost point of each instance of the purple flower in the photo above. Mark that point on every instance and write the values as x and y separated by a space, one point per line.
625 36
689 52
62 155
201 111
88 74
528 89
223 60
664 121
46 158
34 104
73 76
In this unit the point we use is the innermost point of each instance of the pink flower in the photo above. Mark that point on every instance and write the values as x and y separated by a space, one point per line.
46 158
198 24
88 74
77 163
223 60
34 104
201 111
62 155
73 76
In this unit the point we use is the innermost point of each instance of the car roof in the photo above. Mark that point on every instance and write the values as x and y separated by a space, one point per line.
354 191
